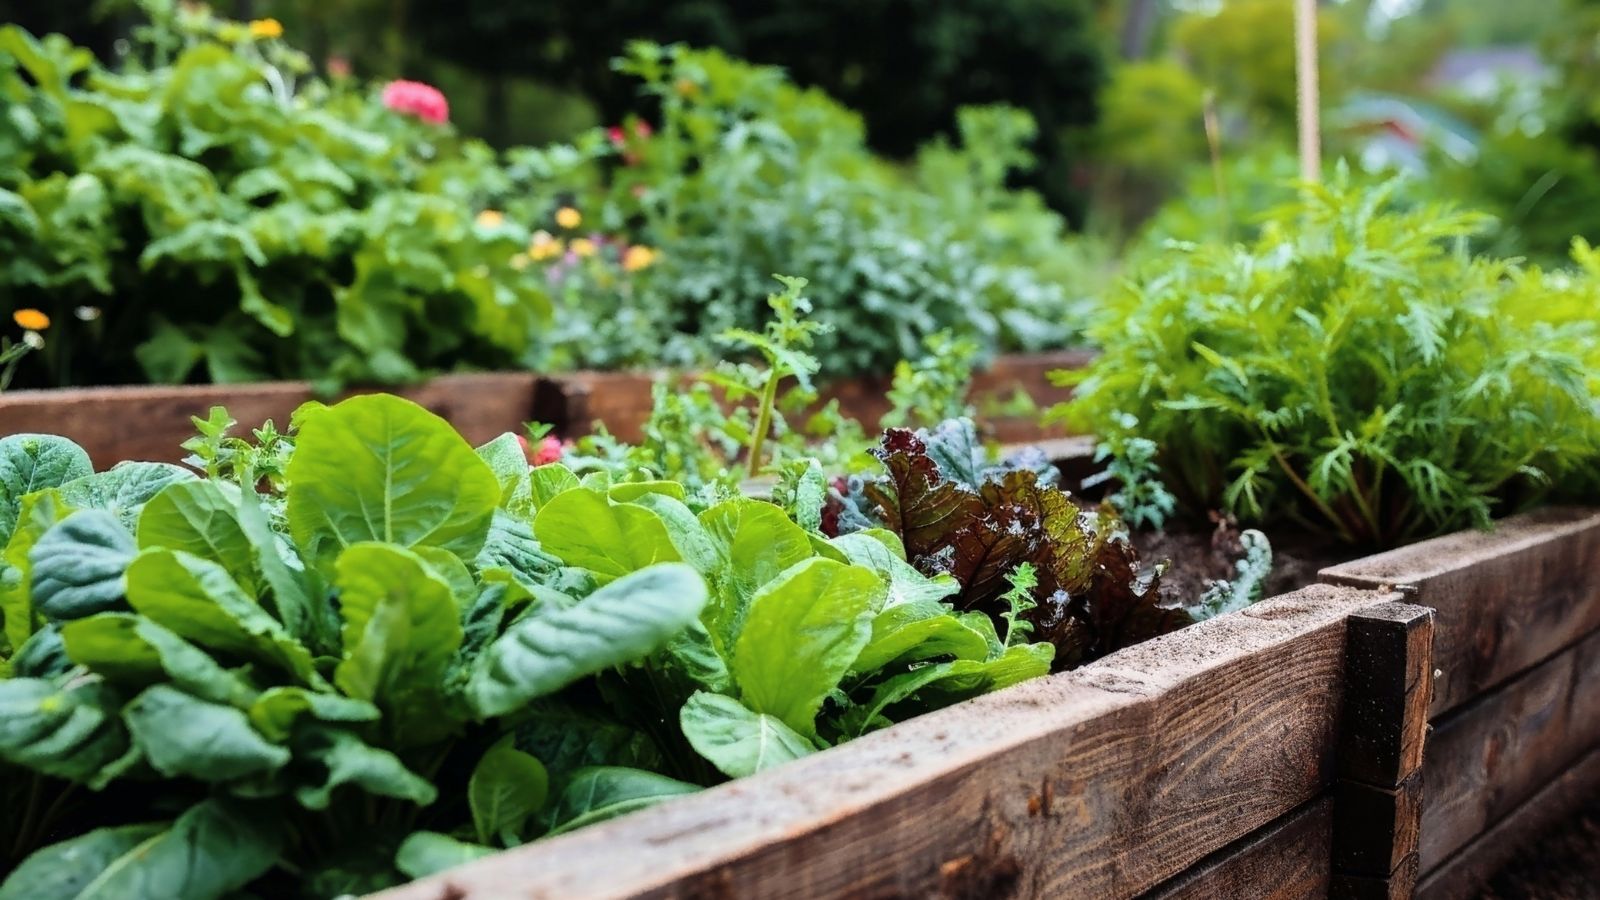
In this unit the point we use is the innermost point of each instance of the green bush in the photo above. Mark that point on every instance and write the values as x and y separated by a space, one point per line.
1351 369
217 214
747 175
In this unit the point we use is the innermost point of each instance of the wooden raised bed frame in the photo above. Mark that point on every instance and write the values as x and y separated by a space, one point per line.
149 422
1516 708
1217 761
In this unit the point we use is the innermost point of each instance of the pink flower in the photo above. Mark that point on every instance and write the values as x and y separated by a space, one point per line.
549 451
616 135
415 98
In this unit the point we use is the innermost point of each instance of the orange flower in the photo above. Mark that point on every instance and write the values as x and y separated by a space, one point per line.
266 29
567 217
638 257
31 319
545 247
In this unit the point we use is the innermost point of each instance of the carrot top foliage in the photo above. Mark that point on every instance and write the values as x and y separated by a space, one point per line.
1353 369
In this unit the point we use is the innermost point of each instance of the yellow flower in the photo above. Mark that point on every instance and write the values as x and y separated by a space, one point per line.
638 257
519 261
583 247
491 218
266 29
544 246
31 319
567 217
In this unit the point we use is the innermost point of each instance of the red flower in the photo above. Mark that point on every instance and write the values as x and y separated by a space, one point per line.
549 451
617 136
415 98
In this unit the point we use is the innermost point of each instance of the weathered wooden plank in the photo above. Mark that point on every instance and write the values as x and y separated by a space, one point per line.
1102 782
1487 758
1286 860
1389 685
1464 872
573 402
1376 829
1507 599
149 422
1399 886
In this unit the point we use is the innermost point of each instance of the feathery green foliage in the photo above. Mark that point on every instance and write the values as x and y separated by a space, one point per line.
1352 369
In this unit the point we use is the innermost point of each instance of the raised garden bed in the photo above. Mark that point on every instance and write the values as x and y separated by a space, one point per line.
1217 761
151 422
1516 708
621 400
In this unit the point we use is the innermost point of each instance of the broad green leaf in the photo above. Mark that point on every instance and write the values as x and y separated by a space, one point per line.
196 599
509 463
184 736
401 628
506 788
124 489
78 565
380 468
62 871
942 684
551 648
297 595
427 853
512 547
907 632
133 649
548 481
688 536
199 517
212 850
737 741
38 514
276 711
34 462
42 655
452 571
755 543
693 651
633 490
804 631
880 551
71 732
566 737
348 760
584 529
605 792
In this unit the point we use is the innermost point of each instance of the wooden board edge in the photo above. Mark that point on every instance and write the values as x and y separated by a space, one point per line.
1286 860
1404 567
1474 864
680 848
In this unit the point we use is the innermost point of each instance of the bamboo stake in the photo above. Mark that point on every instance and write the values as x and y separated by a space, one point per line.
1305 34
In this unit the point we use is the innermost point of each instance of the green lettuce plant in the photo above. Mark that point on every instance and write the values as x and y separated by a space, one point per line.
1353 370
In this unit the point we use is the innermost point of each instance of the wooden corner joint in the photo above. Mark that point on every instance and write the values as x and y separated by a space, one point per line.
1384 725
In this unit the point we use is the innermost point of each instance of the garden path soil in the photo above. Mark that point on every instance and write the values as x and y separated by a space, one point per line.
1562 863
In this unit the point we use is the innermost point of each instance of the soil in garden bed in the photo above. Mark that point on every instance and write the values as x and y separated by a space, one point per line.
1199 556
1562 863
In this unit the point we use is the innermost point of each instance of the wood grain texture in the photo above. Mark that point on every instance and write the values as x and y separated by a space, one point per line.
151 422
1102 782
1487 758
1400 886
1376 829
1506 599
1469 868
1286 860
573 402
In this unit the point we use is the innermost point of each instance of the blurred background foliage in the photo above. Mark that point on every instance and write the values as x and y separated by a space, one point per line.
1494 102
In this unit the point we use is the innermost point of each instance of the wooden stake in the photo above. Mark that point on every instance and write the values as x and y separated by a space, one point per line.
1305 34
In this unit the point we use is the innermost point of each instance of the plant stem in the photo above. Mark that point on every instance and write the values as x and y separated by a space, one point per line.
769 396
1311 495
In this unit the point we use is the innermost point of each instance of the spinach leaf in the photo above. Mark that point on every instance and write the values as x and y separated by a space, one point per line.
736 740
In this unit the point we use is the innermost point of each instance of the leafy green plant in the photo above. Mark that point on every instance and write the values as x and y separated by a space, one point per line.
1351 369
211 211
747 174
363 651
300 697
